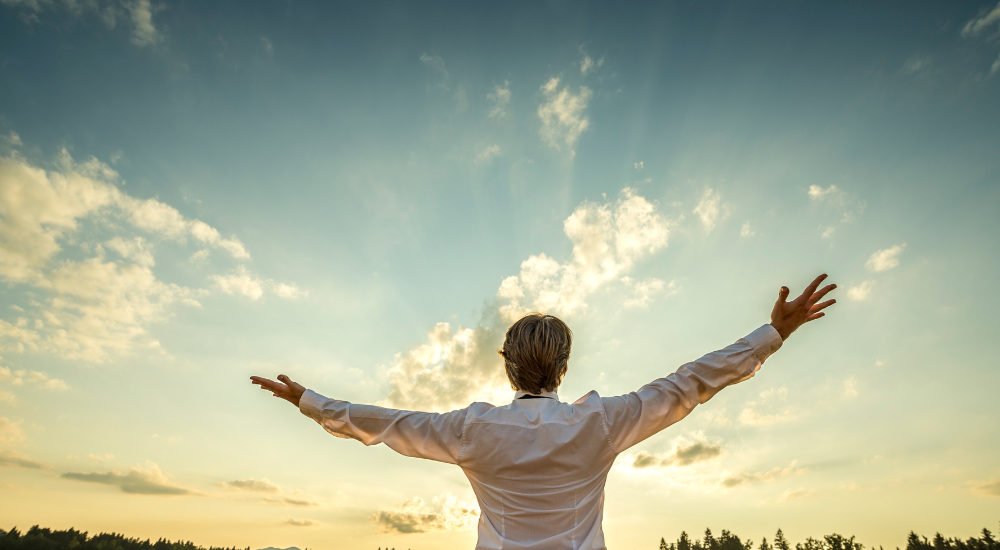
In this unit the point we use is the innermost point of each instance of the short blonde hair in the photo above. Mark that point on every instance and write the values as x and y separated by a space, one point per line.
536 352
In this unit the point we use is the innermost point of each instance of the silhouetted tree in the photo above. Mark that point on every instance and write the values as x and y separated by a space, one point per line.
780 542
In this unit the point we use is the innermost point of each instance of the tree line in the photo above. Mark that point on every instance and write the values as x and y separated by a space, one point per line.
39 538
730 541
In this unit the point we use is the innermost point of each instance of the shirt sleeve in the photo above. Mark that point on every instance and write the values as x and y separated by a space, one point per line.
434 436
637 415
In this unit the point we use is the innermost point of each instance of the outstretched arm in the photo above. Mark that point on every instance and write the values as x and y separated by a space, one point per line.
423 435
635 416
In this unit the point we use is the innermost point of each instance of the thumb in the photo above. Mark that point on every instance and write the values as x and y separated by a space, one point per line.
783 294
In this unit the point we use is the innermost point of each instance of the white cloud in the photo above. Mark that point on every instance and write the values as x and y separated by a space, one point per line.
244 283
916 64
499 100
851 388
445 513
817 192
457 366
860 292
983 21
144 32
884 260
101 305
746 231
487 154
588 65
995 66
644 291
836 198
299 522
710 209
435 62
770 409
639 165
747 478
21 377
828 232
240 282
10 432
607 240
562 115
262 485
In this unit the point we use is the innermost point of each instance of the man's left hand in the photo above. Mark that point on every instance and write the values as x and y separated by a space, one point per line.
286 388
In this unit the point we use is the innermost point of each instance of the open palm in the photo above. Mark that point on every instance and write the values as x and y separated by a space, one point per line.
788 316
286 388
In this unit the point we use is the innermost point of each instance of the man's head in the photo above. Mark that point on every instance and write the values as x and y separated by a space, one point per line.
535 352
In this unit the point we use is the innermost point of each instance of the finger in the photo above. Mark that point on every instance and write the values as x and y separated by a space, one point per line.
822 306
814 316
818 295
813 286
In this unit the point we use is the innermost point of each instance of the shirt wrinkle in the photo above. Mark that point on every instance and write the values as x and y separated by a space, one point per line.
539 467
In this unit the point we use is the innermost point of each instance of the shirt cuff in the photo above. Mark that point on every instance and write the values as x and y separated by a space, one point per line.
764 341
311 404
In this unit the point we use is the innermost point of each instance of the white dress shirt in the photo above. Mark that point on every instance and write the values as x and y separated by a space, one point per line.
538 466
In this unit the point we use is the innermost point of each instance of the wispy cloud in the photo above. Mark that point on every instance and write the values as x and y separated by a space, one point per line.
860 291
445 513
835 198
562 115
262 485
137 13
138 480
710 210
747 231
772 407
22 377
644 291
486 154
851 387
144 32
436 63
299 522
748 478
884 260
588 64
989 488
684 452
986 19
499 99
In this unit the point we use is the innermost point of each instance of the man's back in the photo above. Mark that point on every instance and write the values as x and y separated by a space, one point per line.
538 468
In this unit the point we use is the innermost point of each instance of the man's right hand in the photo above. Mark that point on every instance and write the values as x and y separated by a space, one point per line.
788 316
287 389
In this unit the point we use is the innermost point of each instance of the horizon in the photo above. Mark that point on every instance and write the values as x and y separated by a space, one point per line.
364 197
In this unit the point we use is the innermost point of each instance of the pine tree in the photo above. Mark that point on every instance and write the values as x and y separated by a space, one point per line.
663 544
709 543
780 542
763 544
684 543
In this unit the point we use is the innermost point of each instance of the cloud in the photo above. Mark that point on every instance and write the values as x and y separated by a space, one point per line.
435 62
14 459
499 100
457 366
747 478
990 488
860 292
795 494
916 64
144 32
710 209
644 291
487 154
40 379
446 513
884 260
995 66
684 452
638 165
978 24
299 522
588 65
770 409
268 46
242 282
851 388
839 200
141 481
99 305
261 485
746 231
828 232
562 115
10 432
301 502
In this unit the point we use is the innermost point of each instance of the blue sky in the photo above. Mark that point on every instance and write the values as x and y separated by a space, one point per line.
190 194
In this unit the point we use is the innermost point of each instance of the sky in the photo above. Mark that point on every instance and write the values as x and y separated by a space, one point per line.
363 197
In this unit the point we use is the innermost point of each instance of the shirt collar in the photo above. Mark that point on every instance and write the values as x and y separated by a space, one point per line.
550 394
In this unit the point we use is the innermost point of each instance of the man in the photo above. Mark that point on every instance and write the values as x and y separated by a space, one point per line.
538 465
